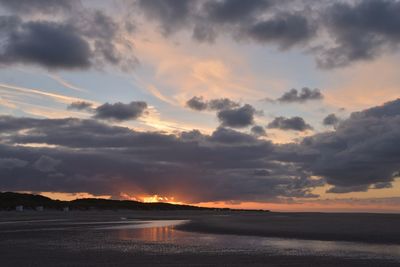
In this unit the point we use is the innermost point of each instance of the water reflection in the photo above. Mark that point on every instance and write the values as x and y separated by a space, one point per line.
153 234
164 232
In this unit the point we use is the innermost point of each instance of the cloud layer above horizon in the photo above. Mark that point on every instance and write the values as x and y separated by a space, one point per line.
77 154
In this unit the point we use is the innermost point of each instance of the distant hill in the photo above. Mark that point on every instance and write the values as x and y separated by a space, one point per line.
10 200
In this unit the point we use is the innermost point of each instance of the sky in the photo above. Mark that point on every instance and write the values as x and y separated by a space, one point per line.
286 105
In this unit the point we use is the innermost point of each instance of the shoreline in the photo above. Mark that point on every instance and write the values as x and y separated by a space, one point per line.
359 227
80 239
375 228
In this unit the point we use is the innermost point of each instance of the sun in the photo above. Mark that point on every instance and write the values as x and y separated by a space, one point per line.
151 199
157 198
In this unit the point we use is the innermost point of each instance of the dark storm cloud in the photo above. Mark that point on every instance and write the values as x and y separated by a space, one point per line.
284 29
330 120
100 159
293 123
243 19
48 44
361 31
76 133
228 165
296 96
237 117
120 111
352 31
199 103
80 105
228 11
361 152
80 37
389 109
355 30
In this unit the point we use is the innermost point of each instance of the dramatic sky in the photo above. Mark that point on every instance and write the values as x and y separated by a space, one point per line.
280 104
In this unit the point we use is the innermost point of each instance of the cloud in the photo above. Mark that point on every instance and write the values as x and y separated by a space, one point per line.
113 112
243 19
46 164
11 163
230 11
229 136
41 6
305 94
336 34
80 37
120 111
94 157
348 189
222 103
80 105
229 112
261 172
49 44
293 123
383 185
330 120
285 29
171 14
237 117
360 153
88 155
352 30
258 130
361 30
198 103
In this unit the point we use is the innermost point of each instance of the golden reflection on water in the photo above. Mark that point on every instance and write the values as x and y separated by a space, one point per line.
166 233
152 234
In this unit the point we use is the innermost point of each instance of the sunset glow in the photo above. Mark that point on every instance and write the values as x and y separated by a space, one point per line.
150 199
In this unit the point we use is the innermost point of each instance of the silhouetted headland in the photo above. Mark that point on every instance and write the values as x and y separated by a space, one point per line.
11 200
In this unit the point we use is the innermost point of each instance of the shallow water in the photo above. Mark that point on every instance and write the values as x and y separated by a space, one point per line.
160 237
163 231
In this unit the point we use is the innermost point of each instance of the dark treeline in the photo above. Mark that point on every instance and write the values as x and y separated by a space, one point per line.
10 200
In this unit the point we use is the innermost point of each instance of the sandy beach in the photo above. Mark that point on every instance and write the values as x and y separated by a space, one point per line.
227 239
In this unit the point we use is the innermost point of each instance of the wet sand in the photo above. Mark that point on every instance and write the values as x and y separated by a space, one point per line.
80 238
371 228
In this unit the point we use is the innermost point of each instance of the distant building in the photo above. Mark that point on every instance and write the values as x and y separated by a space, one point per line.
19 208
39 208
